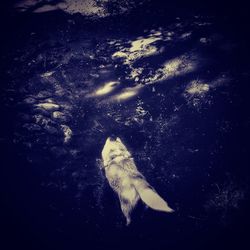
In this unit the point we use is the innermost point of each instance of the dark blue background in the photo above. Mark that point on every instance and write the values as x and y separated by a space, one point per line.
27 218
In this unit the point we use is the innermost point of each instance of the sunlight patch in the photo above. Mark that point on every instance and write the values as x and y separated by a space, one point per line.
127 93
139 48
197 92
48 106
88 8
147 47
23 5
46 8
107 88
142 44
197 88
84 7
172 68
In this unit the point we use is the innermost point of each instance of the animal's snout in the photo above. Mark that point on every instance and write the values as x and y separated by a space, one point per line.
112 137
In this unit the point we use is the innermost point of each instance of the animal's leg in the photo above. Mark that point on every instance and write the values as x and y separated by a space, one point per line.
128 199
126 209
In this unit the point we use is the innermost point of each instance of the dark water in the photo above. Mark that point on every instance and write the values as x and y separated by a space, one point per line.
191 144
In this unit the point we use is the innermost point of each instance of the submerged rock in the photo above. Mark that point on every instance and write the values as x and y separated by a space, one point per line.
29 100
44 94
67 133
60 116
51 129
32 127
42 121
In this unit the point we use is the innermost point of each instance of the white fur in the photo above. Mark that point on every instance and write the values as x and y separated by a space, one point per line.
125 179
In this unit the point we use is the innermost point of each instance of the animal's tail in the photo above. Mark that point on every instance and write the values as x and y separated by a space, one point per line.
149 196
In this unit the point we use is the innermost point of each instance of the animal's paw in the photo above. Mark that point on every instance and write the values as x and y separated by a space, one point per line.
128 221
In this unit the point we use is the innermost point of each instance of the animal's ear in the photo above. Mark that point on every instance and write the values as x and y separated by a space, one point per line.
118 139
153 200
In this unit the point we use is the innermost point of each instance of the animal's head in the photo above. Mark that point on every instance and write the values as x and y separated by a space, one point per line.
112 143
113 147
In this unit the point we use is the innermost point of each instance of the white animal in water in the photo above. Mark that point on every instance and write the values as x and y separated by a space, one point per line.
127 181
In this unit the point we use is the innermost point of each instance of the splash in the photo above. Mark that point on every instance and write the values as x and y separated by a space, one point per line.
199 92
197 88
